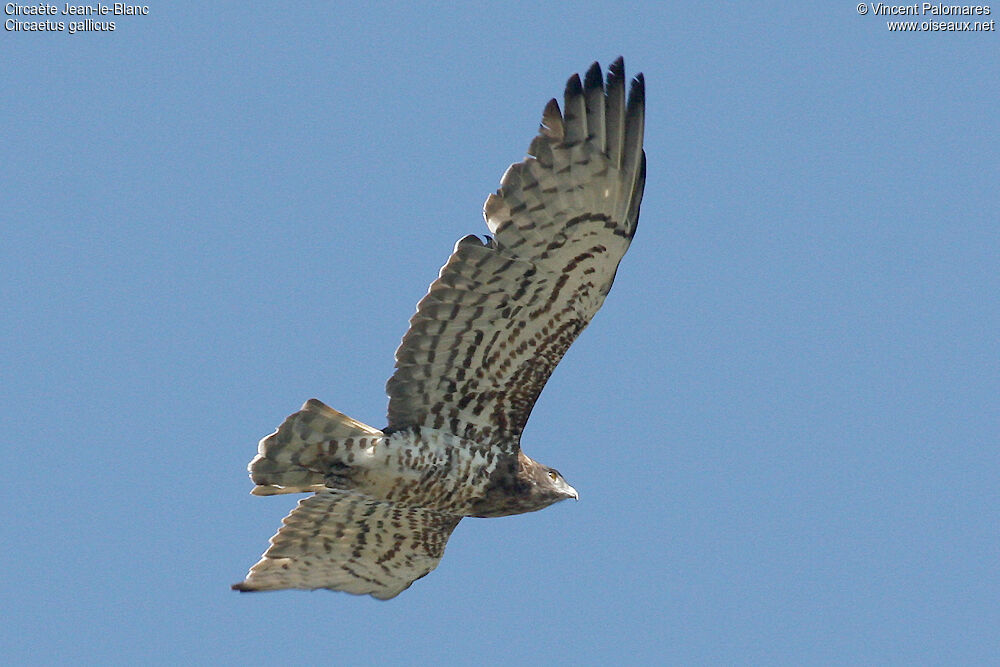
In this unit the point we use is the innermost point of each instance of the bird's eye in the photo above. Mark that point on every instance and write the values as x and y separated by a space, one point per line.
553 475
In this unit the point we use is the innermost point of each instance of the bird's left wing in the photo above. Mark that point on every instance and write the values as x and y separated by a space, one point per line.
503 312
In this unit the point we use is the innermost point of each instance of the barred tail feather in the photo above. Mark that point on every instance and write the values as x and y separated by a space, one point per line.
298 456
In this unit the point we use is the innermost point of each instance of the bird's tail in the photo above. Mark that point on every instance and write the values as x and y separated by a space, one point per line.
306 448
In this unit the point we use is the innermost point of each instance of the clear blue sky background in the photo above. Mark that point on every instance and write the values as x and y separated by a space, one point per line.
784 423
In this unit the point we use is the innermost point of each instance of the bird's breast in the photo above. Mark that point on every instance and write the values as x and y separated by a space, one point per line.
432 469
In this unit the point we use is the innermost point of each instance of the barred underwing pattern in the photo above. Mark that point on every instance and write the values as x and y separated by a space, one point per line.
479 350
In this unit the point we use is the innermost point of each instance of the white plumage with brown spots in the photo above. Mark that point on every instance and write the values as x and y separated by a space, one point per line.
479 350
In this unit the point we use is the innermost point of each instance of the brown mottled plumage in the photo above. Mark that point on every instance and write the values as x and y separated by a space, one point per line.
480 348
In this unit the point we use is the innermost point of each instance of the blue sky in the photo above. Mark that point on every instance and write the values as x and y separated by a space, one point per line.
783 425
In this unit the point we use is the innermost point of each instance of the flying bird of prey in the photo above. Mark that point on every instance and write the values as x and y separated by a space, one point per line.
479 349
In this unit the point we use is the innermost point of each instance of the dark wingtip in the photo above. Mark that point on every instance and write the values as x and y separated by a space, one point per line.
552 121
638 89
573 86
469 240
617 67
594 77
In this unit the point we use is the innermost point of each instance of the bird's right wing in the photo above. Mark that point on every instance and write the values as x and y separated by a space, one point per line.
349 542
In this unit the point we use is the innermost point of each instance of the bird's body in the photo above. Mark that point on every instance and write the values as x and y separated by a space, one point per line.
479 350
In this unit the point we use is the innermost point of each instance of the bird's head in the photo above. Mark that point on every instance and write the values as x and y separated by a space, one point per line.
555 483
547 484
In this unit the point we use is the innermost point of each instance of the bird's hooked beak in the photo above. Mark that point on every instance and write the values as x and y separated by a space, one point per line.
572 492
